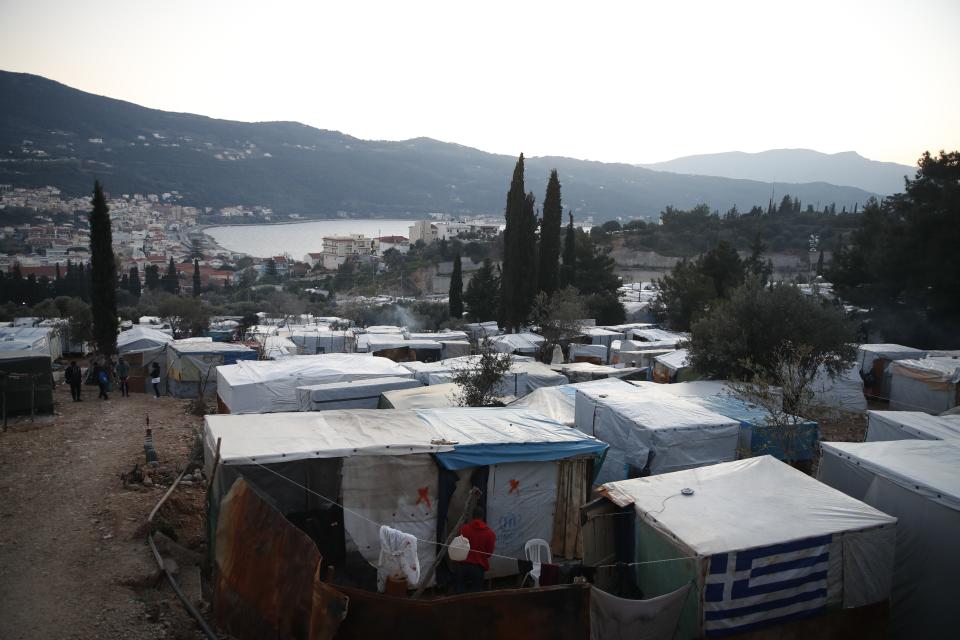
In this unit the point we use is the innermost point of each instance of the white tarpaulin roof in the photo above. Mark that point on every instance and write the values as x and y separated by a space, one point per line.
927 385
271 385
356 394
911 425
931 468
867 353
743 504
434 396
674 360
510 342
141 339
644 427
558 402
438 335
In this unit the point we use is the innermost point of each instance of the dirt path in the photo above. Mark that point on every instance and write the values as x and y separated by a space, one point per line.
73 558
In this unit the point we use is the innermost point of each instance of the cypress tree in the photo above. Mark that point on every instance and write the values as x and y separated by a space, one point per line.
86 278
528 253
511 275
151 277
125 282
456 289
196 277
550 236
57 275
103 276
134 281
568 272
171 281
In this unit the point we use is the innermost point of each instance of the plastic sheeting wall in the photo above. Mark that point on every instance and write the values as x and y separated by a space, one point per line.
398 491
925 589
521 498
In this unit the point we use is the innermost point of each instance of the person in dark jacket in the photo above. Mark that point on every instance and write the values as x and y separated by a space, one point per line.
123 377
74 377
155 377
102 377
468 575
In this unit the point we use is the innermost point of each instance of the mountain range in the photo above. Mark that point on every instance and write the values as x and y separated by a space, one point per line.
795 165
52 134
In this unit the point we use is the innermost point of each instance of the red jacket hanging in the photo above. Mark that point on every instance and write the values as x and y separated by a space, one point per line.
482 542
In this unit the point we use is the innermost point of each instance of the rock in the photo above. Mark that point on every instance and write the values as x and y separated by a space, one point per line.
147 482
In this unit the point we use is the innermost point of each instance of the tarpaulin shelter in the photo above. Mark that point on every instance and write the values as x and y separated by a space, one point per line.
527 344
598 354
911 425
516 382
192 365
843 392
439 336
874 362
268 386
931 384
480 330
916 481
584 371
353 394
26 383
419 397
651 432
558 402
315 340
455 348
600 336
37 340
762 543
276 347
672 367
140 347
410 470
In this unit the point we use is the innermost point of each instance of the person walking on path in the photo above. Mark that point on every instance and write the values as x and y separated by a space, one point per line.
123 377
468 575
74 377
102 377
155 377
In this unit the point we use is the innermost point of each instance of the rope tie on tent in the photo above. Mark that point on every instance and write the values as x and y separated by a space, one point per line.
441 544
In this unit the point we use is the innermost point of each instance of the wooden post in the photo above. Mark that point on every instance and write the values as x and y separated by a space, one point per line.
467 510
33 395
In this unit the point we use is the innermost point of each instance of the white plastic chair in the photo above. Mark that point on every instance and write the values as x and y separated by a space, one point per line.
537 552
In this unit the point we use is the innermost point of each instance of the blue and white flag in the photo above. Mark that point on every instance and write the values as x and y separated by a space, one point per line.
755 588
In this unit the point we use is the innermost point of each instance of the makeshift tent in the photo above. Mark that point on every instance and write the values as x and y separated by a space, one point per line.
223 330
314 340
527 344
911 425
515 382
558 402
269 386
26 383
355 394
37 340
600 336
672 367
762 542
455 348
874 362
418 397
660 336
401 468
844 392
593 353
438 336
276 347
652 432
482 329
538 375
929 385
584 371
140 347
916 481
192 365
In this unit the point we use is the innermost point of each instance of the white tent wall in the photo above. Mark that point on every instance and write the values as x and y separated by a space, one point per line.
409 505
929 385
842 393
589 351
925 589
359 394
455 348
521 499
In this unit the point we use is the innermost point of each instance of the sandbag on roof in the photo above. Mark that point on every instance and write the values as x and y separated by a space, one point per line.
271 386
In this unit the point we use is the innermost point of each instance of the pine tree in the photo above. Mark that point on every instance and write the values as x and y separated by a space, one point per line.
549 271
196 277
134 281
568 271
456 289
103 292
510 286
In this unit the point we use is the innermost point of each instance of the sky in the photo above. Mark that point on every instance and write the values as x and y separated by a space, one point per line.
613 81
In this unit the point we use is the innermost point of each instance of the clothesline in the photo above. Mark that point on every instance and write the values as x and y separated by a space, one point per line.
441 544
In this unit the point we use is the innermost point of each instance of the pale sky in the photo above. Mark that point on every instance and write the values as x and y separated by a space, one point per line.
634 82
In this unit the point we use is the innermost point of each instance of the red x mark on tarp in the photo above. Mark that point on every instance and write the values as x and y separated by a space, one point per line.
423 495
514 486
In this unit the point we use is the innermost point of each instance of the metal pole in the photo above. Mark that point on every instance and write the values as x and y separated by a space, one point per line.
467 510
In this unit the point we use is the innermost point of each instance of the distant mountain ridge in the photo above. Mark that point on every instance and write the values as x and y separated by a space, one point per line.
53 134
795 165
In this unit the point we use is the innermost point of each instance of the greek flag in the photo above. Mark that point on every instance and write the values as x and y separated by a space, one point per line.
750 589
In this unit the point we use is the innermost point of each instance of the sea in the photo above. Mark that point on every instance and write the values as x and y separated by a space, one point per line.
299 238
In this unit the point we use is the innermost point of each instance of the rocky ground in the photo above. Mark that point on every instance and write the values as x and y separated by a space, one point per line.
73 558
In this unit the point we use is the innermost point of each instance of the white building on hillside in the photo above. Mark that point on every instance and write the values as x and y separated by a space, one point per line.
336 249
